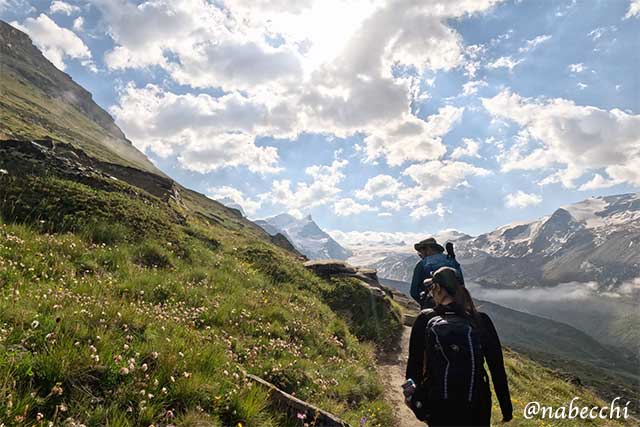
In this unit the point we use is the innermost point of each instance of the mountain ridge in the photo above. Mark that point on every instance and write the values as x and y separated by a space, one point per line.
602 244
38 101
305 235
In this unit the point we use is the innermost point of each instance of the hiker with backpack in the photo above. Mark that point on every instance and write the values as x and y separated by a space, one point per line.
447 384
432 257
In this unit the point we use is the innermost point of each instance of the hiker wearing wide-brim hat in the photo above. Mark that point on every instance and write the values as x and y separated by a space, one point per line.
432 257
428 243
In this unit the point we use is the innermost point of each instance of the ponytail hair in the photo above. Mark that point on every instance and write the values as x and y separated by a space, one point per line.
449 281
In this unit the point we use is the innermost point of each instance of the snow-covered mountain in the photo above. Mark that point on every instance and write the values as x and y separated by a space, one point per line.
596 240
305 235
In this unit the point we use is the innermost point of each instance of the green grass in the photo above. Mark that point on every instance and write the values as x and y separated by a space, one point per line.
144 317
531 382
119 309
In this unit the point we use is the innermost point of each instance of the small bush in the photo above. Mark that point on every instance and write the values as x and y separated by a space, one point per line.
266 261
369 316
106 233
152 255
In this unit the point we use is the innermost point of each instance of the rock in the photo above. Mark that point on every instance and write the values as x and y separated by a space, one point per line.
281 240
335 268
296 407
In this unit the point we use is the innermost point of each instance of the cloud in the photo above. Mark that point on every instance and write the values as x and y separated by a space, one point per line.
226 193
403 240
471 87
532 44
55 42
424 211
559 135
634 9
322 190
437 176
412 139
208 133
379 186
348 206
339 81
577 68
504 62
470 149
78 23
598 182
223 150
58 6
521 199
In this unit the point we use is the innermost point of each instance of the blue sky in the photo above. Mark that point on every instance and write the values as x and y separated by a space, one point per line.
376 115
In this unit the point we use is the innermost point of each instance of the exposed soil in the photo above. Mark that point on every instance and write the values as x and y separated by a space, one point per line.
392 368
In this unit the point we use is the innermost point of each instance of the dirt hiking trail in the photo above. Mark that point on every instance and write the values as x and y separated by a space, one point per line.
392 368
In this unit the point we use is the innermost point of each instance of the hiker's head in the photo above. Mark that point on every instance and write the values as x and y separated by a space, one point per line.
444 286
428 247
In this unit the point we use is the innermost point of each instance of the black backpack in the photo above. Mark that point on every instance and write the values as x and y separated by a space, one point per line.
454 358
454 361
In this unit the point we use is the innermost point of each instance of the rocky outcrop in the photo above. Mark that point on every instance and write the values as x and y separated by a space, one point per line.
336 268
280 240
50 157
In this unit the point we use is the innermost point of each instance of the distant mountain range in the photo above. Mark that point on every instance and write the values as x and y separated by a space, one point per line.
305 235
596 240
579 265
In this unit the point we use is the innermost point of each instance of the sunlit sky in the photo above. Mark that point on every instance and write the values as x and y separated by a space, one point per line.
395 116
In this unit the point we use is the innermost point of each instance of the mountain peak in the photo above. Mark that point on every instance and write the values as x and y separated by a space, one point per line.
306 236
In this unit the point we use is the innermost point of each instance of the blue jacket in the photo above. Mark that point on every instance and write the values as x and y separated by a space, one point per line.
425 268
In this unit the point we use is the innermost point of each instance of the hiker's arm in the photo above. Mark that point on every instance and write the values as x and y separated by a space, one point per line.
416 281
493 354
416 350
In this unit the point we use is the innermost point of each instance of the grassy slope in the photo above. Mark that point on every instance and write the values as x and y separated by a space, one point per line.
91 330
529 381
37 100
83 313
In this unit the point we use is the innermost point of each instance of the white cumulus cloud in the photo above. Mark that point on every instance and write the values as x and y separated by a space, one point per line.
227 193
55 42
379 186
470 148
323 189
348 206
558 135
208 133
634 9
315 70
58 6
520 199
505 62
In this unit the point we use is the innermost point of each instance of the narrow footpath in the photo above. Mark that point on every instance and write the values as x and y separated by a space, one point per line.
392 368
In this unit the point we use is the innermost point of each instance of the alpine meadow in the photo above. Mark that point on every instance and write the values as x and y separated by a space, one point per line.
210 211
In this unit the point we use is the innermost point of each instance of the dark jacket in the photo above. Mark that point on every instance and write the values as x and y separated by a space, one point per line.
425 268
480 413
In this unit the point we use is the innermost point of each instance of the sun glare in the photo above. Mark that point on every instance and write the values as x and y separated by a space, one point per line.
322 31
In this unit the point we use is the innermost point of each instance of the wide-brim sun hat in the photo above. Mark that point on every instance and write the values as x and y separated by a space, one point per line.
430 242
